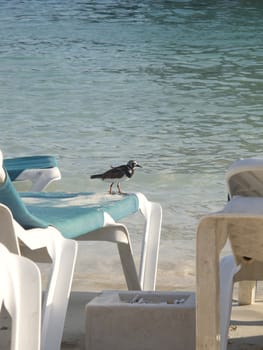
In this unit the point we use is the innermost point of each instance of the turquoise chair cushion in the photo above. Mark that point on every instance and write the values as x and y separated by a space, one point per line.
10 197
73 214
15 166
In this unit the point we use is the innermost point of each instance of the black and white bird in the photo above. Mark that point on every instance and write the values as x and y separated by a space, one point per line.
118 174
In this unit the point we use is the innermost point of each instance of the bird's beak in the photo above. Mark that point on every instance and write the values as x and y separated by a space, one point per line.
138 165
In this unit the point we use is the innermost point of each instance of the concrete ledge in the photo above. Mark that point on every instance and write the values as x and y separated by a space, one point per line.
141 321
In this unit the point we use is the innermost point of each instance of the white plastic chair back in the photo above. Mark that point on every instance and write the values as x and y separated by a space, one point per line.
245 178
7 236
20 292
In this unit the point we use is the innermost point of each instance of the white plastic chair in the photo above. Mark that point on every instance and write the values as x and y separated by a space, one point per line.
20 293
39 170
62 253
94 217
245 178
240 221
91 220
87 219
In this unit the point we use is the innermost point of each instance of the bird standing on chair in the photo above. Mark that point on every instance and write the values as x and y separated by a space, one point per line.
118 174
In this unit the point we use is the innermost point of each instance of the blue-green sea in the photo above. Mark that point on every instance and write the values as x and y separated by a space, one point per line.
175 84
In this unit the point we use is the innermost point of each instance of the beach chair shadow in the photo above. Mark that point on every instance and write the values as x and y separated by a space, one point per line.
20 295
240 222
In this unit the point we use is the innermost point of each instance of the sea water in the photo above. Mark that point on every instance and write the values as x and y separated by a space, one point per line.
176 85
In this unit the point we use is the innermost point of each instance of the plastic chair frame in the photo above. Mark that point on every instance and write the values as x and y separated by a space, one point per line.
252 168
114 232
39 178
20 293
145 277
118 233
62 253
214 279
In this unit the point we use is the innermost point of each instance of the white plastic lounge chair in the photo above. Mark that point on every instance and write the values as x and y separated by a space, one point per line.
62 254
89 216
86 216
45 167
39 170
245 178
20 293
241 222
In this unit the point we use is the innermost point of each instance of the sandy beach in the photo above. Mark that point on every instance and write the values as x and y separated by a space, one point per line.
245 332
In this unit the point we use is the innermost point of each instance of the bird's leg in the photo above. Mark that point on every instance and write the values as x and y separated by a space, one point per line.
110 191
119 188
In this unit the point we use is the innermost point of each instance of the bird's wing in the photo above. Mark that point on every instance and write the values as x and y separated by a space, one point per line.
115 173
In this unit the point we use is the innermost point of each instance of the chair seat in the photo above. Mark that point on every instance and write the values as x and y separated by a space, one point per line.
75 214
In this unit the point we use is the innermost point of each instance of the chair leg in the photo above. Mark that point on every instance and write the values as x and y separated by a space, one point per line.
246 292
150 246
128 265
228 269
29 285
152 213
63 253
22 298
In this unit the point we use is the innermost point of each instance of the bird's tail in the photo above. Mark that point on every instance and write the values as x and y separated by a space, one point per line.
98 176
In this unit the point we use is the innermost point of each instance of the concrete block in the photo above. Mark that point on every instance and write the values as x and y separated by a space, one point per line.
141 321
